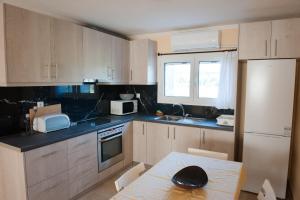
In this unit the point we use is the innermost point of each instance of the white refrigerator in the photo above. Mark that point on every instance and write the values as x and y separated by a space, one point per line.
268 122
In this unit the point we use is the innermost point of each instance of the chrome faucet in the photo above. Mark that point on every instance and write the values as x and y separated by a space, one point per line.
182 108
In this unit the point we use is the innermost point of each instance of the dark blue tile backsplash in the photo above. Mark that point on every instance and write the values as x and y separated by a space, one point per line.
77 101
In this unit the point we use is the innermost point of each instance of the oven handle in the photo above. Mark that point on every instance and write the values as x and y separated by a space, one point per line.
111 138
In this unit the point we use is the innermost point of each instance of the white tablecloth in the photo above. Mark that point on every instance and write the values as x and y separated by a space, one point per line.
225 180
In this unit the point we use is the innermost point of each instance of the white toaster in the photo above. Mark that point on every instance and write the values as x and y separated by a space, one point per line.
53 122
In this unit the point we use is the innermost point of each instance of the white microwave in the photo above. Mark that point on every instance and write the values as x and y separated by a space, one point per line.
123 107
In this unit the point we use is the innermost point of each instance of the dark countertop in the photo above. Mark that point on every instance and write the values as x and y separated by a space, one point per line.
24 142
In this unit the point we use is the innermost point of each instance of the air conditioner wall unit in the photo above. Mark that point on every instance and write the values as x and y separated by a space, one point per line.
195 40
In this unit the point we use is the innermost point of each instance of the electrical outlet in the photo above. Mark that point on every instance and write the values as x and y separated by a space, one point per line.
40 104
138 95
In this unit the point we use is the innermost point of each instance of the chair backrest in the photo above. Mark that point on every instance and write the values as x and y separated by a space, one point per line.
210 154
266 192
129 176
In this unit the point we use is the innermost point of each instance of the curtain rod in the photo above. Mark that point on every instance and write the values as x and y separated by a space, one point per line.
212 51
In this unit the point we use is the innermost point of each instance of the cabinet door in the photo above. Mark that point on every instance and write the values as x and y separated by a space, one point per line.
219 141
159 143
45 162
67 64
92 62
128 146
138 61
105 44
56 187
139 142
285 38
125 61
185 137
143 62
27 46
116 62
254 40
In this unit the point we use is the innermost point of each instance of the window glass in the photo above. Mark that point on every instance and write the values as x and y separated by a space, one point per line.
209 78
177 79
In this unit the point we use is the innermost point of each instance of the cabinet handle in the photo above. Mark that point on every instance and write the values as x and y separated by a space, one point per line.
49 154
266 45
168 132
53 75
131 74
174 133
143 129
203 137
80 144
276 47
112 74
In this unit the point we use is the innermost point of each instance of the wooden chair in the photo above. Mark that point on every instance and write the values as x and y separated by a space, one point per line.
266 192
129 176
210 154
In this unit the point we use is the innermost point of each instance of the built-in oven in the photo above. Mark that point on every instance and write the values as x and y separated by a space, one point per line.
110 146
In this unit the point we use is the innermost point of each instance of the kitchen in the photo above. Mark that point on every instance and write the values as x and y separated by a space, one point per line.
81 105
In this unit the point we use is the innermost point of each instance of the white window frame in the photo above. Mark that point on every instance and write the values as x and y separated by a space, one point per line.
161 98
204 57
194 59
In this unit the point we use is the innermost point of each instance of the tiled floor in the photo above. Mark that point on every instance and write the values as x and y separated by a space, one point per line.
107 189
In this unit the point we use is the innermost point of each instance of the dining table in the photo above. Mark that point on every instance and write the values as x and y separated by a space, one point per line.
225 180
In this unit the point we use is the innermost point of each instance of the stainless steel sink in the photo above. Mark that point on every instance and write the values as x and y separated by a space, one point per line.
180 119
169 118
190 120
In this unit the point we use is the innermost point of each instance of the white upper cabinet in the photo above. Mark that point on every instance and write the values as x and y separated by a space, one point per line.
41 50
254 40
120 60
27 46
285 38
106 57
92 55
143 62
66 53
270 39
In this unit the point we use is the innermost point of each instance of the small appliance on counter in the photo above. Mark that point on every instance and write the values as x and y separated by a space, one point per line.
225 120
52 122
123 107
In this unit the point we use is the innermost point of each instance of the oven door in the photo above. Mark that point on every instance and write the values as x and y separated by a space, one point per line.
110 150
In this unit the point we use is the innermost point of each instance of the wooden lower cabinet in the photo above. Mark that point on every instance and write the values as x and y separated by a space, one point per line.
128 144
59 171
52 188
219 141
159 142
161 139
41 163
82 177
185 137
139 141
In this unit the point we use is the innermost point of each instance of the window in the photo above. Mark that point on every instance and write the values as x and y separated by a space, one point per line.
206 79
177 79
209 78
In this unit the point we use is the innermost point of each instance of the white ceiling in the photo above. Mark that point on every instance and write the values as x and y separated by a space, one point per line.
131 17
